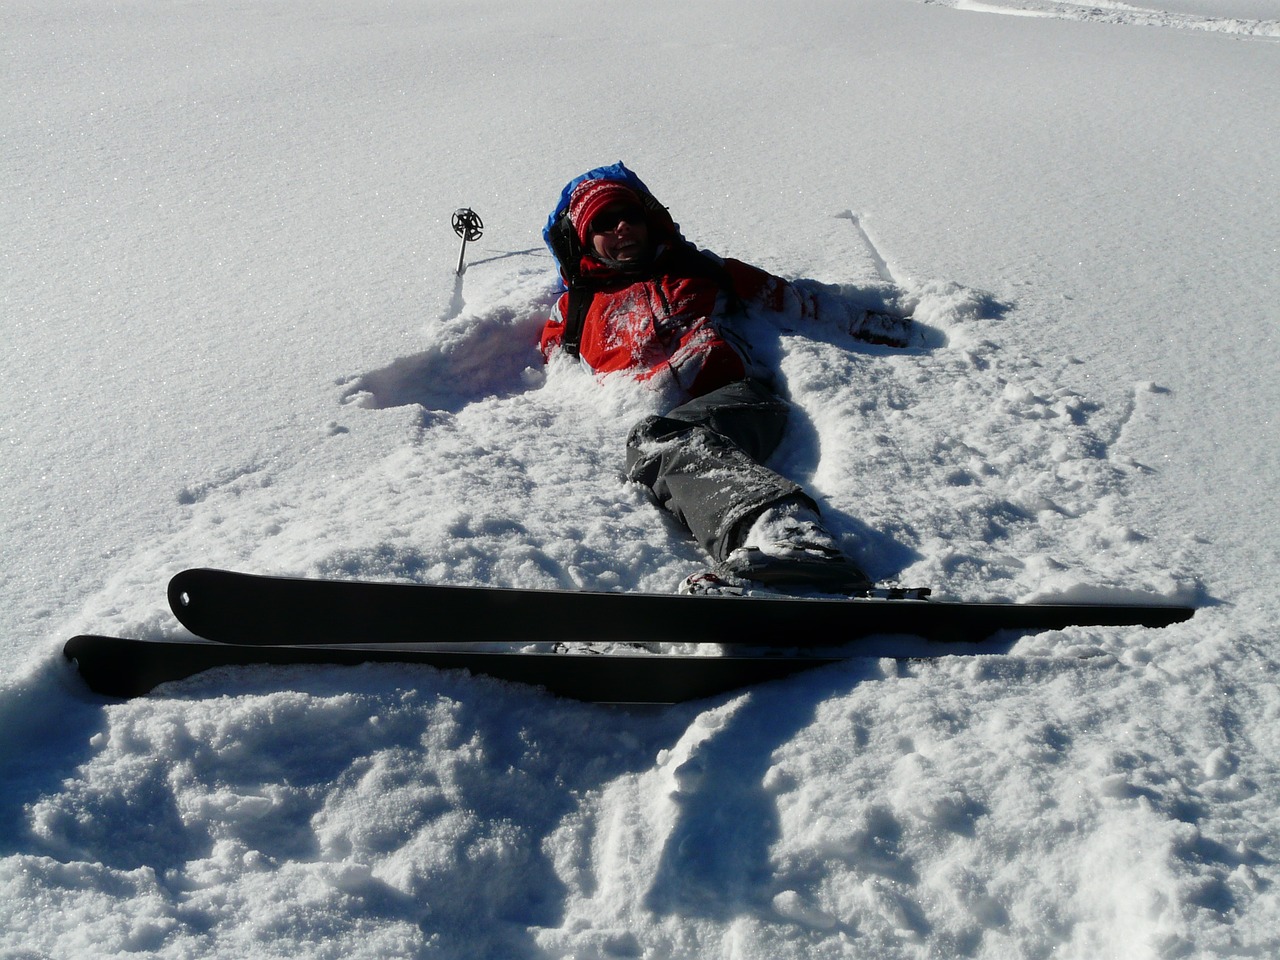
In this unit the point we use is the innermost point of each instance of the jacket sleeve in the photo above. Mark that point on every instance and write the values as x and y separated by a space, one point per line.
553 329
753 285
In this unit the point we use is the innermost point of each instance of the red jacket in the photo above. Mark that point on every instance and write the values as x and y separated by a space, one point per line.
667 322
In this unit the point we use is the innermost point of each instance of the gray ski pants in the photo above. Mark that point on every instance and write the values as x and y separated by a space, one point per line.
704 462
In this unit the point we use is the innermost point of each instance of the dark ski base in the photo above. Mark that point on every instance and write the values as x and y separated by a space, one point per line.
249 609
118 667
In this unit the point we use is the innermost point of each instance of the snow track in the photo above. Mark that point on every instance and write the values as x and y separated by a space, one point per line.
1124 14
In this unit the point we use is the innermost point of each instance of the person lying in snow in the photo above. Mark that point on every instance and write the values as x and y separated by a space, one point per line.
641 299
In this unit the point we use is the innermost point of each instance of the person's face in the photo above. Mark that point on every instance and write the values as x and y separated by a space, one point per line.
619 232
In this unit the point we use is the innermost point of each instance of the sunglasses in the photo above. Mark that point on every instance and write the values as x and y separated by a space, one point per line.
610 219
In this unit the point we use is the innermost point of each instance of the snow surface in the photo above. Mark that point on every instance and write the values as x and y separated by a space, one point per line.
234 337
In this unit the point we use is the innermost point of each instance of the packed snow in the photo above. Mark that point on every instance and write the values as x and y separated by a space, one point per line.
234 337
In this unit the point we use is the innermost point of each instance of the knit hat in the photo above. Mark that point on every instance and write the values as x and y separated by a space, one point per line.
592 196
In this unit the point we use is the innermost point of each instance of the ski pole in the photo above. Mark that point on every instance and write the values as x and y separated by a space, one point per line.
467 225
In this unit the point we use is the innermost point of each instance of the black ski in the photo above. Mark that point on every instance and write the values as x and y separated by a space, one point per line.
250 609
119 667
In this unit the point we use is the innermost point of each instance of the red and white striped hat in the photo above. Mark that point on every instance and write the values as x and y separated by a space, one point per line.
592 196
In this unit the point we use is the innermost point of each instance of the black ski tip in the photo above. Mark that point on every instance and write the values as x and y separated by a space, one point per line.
108 667
181 588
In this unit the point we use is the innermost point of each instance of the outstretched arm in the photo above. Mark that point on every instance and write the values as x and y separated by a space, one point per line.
802 302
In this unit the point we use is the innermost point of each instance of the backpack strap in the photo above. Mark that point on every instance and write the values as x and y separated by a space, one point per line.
563 240
575 316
